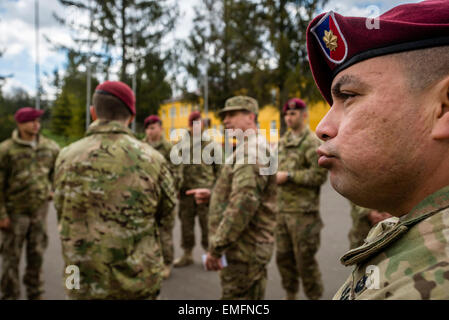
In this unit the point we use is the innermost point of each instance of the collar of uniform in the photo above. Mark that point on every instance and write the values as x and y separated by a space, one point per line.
430 205
103 126
390 230
155 144
16 138
293 140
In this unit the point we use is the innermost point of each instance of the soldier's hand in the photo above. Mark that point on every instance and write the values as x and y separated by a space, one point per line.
212 263
281 177
5 223
201 195
376 216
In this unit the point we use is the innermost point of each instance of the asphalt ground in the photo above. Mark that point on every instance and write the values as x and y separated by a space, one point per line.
194 283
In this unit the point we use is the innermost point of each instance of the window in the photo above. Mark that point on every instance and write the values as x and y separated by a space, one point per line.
173 112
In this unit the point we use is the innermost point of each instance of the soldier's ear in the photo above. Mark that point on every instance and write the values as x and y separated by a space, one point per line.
93 114
130 120
440 128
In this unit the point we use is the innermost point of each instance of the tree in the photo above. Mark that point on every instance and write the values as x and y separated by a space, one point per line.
136 29
287 22
69 108
135 26
152 88
226 38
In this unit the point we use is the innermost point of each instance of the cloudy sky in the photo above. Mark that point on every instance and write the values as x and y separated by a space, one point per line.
17 35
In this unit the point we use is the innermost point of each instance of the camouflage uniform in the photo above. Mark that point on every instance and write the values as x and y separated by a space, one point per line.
195 176
26 175
404 258
110 189
242 221
360 225
164 147
299 223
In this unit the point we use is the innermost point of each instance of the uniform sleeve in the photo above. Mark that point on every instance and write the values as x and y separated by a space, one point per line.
165 213
58 179
244 200
3 182
55 152
314 175
218 166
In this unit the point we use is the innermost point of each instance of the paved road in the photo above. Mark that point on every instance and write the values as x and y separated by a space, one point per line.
194 283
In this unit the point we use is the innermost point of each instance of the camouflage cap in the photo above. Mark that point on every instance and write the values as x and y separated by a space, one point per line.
240 103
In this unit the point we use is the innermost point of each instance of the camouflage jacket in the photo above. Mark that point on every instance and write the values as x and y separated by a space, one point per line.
404 258
199 175
110 189
297 155
242 212
165 147
26 174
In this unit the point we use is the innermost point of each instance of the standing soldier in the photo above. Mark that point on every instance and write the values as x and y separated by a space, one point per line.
154 137
386 142
27 163
242 215
194 175
299 224
110 190
361 225
363 220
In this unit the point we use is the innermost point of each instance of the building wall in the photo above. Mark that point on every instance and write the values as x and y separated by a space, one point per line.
175 115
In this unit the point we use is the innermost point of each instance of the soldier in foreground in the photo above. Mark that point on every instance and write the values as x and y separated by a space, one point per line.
27 163
299 224
242 214
386 142
194 175
154 137
110 190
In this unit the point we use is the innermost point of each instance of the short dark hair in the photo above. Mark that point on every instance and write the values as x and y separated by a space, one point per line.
424 67
110 108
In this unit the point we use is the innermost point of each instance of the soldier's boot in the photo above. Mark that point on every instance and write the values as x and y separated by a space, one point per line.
291 296
185 260
166 272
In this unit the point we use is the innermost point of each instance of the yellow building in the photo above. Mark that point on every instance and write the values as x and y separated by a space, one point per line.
175 114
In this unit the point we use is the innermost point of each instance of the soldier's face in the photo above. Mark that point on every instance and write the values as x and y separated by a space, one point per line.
238 120
154 131
294 119
375 135
31 127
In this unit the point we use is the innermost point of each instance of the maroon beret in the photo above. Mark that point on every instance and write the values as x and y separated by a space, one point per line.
119 90
293 104
194 115
27 114
335 42
151 119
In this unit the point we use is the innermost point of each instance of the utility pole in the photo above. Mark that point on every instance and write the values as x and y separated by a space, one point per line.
36 28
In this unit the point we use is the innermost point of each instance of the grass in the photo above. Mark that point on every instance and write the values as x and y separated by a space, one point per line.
61 140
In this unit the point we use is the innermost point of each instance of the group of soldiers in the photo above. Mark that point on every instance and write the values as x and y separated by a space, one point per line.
116 202
384 145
